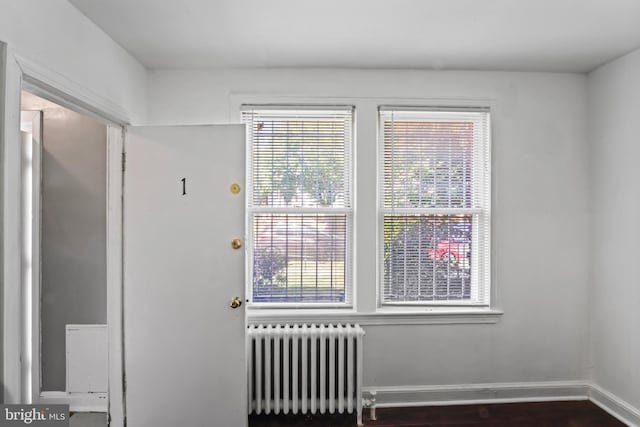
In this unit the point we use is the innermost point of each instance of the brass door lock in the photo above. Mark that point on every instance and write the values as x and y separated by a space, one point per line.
235 302
236 243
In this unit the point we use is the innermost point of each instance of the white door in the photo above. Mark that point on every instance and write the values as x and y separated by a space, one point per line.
184 344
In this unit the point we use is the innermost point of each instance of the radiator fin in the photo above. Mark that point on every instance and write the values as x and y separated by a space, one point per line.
305 369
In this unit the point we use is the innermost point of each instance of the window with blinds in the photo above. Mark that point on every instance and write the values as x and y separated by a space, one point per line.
435 206
300 204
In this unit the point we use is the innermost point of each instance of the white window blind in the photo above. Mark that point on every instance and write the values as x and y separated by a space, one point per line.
435 206
300 204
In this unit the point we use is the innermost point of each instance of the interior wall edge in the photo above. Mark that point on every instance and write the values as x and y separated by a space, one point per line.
613 111
3 58
11 225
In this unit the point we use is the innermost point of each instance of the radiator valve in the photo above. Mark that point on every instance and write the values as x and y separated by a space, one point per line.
370 402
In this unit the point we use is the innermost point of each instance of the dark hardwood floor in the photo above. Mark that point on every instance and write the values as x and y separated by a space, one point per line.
543 414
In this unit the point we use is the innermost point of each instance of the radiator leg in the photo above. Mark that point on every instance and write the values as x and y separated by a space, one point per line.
360 423
373 413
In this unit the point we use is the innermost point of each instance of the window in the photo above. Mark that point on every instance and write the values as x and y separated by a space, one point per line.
300 205
434 198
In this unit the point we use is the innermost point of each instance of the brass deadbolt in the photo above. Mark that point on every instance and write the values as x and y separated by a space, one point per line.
235 302
236 243
235 188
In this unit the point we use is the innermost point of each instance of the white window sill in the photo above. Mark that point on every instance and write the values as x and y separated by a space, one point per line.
432 316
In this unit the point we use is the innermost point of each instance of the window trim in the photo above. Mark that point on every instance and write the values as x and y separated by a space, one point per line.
365 290
483 269
431 316
348 212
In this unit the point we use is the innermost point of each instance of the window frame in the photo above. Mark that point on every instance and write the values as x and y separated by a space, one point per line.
481 288
366 309
347 211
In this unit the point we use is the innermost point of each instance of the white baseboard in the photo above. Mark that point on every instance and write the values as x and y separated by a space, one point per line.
615 406
78 402
467 394
473 394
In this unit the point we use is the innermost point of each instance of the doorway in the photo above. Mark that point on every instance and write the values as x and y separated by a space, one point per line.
64 222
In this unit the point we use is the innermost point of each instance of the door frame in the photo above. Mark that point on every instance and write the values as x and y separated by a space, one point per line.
18 73
31 297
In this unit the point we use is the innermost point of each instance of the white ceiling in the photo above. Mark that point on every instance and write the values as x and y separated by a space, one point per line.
526 35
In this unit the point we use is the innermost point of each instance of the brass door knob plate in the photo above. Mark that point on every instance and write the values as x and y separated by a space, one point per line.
235 302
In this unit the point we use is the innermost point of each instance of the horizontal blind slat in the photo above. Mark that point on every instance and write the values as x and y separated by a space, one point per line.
435 191
300 203
300 158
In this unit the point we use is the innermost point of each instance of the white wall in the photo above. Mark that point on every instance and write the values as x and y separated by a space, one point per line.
57 38
540 213
56 35
614 99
